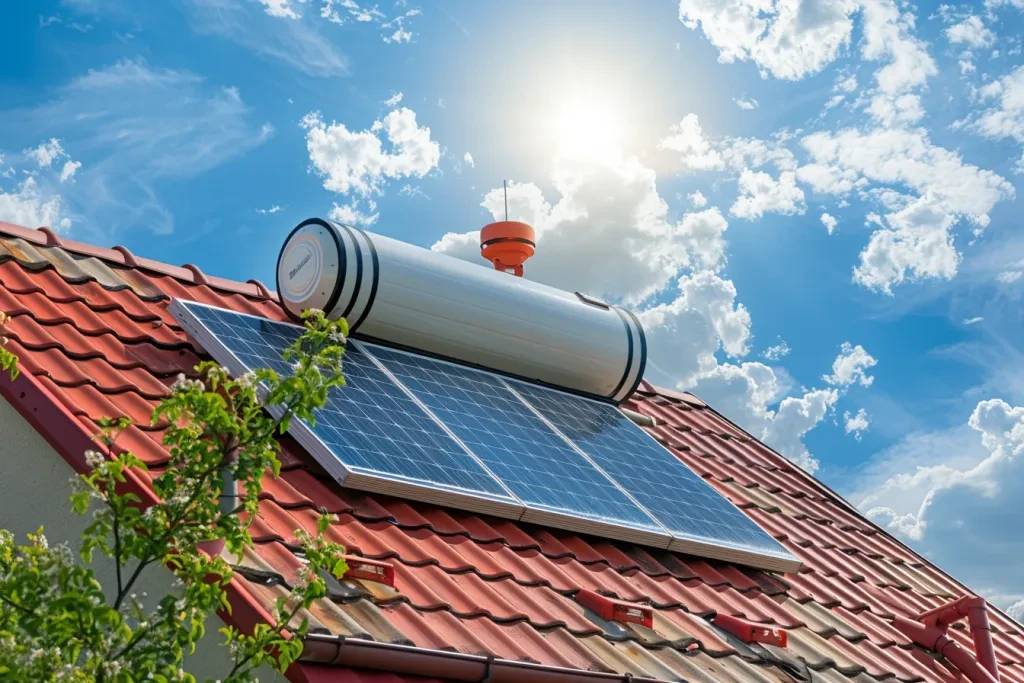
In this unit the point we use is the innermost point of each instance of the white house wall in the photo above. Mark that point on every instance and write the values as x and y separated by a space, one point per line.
35 483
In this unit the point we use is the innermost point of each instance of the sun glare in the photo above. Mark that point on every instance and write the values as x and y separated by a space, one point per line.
587 126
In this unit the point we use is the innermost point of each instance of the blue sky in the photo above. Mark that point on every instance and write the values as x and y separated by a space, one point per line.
812 205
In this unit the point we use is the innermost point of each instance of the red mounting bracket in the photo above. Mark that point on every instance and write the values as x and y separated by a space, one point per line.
616 610
750 632
370 570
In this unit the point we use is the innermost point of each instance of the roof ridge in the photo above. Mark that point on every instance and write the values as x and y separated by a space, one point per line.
45 238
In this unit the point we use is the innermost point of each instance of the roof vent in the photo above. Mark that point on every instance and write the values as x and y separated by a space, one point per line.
507 244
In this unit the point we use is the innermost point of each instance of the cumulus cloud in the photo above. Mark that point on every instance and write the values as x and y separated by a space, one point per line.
46 153
787 40
687 138
746 103
393 100
467 158
271 211
1005 117
973 321
956 495
856 424
280 8
354 214
28 205
776 351
760 194
917 241
356 161
829 222
69 170
850 367
697 199
971 32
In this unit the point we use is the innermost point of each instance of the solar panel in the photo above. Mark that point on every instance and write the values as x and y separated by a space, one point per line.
538 465
372 434
700 519
425 429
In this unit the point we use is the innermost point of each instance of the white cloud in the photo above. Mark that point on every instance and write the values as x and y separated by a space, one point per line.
856 424
850 365
776 352
697 199
1008 277
973 321
1016 611
918 241
69 170
393 100
356 161
829 222
746 103
271 211
353 214
956 500
888 35
687 138
46 153
971 32
760 194
280 8
787 40
1006 118
467 158
846 84
138 124
793 419
891 111
30 207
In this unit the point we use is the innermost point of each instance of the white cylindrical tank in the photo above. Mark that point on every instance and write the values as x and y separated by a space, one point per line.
412 297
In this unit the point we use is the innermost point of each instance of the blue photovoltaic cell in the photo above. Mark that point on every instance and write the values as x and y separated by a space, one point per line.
371 425
683 502
536 464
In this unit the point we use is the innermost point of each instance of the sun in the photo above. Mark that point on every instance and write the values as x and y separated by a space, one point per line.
587 125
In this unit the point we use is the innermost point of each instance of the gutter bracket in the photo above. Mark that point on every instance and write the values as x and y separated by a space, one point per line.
488 670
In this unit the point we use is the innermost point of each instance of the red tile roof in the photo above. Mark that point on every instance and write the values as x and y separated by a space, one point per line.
95 339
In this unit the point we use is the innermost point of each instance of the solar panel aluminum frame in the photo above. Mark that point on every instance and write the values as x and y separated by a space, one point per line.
304 435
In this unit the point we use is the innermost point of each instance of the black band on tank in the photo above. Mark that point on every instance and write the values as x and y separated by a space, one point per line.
629 353
336 292
522 240
373 284
643 355
359 271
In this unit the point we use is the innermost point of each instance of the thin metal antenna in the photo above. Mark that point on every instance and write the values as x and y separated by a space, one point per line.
505 185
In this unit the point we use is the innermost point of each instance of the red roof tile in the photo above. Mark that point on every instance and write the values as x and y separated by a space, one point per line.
92 330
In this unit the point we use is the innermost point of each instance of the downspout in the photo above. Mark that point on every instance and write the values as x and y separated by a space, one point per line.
929 631
332 651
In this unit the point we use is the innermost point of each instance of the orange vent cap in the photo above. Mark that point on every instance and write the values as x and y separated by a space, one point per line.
507 244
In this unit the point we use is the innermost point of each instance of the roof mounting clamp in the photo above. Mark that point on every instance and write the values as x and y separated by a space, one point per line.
750 632
369 570
616 610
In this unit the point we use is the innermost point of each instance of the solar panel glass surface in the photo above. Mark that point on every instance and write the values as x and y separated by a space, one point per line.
684 503
371 424
533 461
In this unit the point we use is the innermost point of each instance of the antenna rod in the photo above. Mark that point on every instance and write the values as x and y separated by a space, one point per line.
505 185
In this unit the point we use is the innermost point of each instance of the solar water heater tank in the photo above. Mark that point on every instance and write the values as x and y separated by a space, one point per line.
425 301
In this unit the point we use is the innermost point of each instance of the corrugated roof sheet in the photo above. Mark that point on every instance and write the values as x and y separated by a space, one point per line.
91 325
